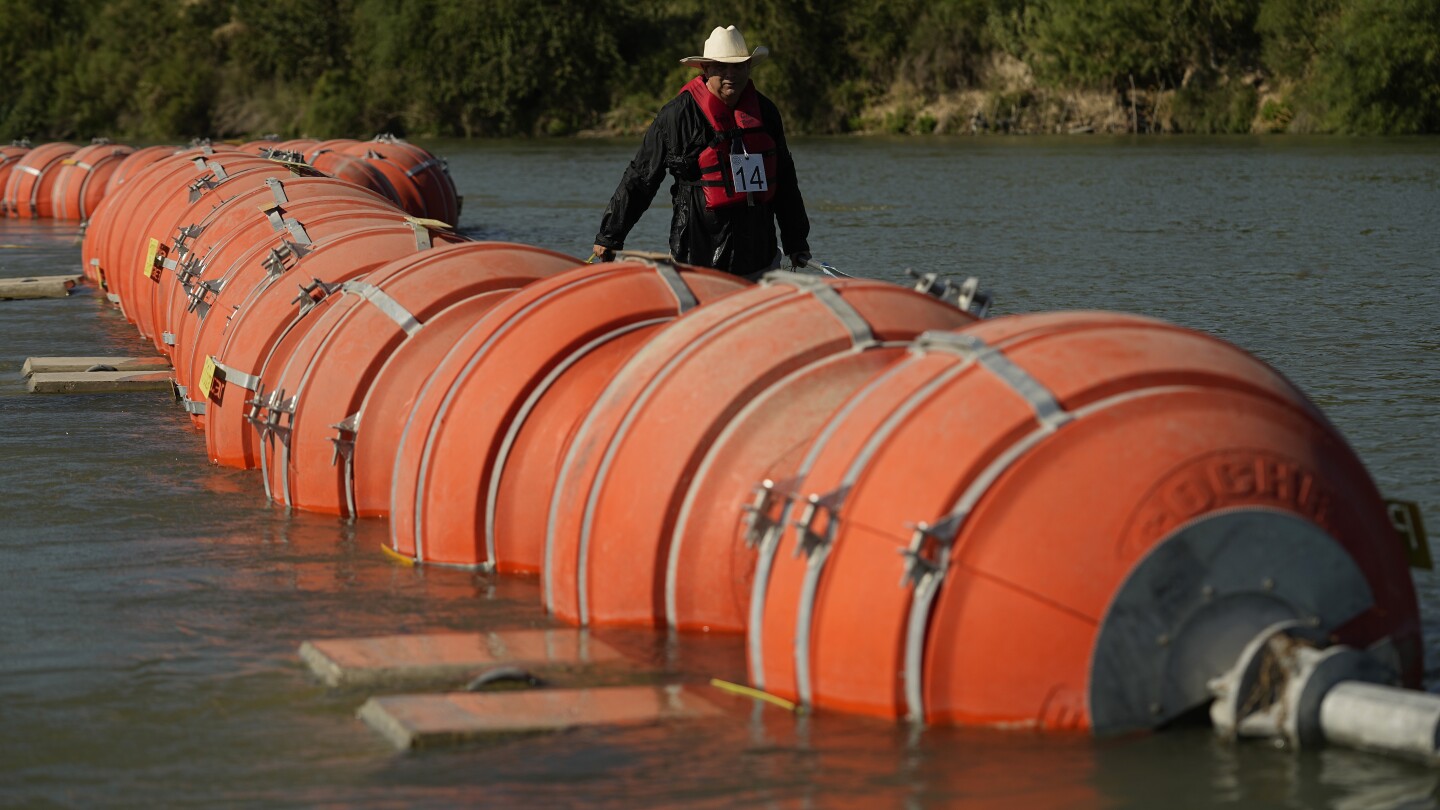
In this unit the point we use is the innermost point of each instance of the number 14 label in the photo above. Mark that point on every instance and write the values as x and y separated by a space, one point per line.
749 173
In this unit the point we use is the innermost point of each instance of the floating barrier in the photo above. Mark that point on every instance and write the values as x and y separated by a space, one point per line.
323 370
483 441
10 155
1065 521
31 183
82 179
1054 520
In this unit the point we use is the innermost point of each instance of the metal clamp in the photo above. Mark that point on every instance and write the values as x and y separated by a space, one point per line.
808 541
929 546
199 293
313 293
974 300
344 444
758 522
183 236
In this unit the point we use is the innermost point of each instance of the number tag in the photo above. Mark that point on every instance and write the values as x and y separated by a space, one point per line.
207 377
150 255
749 173
1405 517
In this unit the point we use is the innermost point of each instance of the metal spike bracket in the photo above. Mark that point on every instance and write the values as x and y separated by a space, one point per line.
808 541
758 522
928 544
974 300
313 293
344 443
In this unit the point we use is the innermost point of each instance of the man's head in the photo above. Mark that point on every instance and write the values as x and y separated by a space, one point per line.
725 64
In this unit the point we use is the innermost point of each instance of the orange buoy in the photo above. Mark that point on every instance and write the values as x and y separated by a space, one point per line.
268 312
1058 521
325 370
623 482
32 180
253 255
83 177
392 396
9 156
170 209
114 234
134 163
484 417
355 170
264 202
421 179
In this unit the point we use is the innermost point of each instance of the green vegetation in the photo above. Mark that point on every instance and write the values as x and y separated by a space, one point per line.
166 69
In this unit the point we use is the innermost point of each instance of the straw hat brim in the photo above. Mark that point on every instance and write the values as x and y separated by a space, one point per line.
759 53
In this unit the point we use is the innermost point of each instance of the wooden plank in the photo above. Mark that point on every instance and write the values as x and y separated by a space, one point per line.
99 382
430 721
55 365
450 657
38 286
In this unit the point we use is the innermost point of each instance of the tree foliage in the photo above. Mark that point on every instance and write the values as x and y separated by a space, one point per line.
175 68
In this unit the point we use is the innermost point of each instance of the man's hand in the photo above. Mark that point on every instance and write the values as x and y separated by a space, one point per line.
800 259
602 254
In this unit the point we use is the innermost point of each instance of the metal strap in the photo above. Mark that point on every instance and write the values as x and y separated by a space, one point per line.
192 406
220 174
382 301
277 188
168 338
298 231
825 293
234 376
422 167
29 170
1048 409
422 234
684 296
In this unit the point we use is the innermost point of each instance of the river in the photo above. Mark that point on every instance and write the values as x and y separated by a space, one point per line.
153 604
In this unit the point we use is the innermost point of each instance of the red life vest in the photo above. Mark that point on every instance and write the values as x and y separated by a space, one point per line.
733 126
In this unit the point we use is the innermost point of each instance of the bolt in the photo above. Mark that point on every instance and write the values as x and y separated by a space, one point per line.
1268 583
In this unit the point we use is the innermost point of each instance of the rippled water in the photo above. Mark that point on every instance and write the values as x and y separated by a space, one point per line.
153 604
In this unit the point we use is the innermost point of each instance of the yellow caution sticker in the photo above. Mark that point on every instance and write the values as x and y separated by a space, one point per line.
69 162
207 376
1405 517
150 255
429 223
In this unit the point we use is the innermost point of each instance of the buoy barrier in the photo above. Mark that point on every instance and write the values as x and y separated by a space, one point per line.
1072 521
610 556
203 244
30 185
421 179
82 179
10 155
256 254
482 442
233 398
1043 521
324 366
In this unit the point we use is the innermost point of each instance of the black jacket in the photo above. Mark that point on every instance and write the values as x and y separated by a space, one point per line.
737 238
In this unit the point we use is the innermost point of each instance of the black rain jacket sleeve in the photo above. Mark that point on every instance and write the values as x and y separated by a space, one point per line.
736 238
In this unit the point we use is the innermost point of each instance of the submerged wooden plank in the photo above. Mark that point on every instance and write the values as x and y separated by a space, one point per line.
38 286
429 721
99 382
56 365
390 660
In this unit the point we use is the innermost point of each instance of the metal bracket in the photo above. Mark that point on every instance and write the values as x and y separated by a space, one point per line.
168 338
183 237
808 541
197 294
313 293
927 550
344 443
758 522
974 300
277 188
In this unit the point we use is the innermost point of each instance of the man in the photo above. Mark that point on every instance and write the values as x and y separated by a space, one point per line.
724 144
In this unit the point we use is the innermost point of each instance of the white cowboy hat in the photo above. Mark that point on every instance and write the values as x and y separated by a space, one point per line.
726 45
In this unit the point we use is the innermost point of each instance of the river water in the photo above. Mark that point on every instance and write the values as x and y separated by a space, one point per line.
153 604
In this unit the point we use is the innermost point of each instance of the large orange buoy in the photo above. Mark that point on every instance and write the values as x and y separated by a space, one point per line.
268 312
483 415
31 183
1066 521
113 227
83 178
376 433
254 254
262 204
170 209
622 486
326 371
420 178
9 156
134 163
355 170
